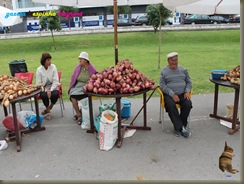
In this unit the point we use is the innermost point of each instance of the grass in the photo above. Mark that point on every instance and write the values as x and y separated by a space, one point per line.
199 51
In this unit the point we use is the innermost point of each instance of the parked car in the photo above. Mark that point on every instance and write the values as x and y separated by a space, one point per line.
219 19
198 19
124 22
168 22
141 20
235 19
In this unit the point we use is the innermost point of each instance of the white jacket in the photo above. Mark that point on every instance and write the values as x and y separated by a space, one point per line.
51 74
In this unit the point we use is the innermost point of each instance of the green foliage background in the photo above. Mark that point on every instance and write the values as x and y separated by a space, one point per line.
199 51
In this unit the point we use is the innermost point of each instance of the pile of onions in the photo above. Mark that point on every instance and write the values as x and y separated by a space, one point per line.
123 78
233 75
11 87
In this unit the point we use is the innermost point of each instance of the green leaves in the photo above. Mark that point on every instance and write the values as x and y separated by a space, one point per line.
157 13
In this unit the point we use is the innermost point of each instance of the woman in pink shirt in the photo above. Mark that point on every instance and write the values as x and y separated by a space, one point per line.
82 73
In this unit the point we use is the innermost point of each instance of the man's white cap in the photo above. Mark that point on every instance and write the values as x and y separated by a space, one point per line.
84 55
172 54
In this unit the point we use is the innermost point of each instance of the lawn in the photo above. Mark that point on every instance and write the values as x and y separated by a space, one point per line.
199 51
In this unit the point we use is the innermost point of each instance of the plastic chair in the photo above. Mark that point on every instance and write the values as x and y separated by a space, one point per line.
60 97
162 108
28 78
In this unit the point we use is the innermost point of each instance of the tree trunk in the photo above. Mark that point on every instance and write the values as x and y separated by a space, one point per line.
53 39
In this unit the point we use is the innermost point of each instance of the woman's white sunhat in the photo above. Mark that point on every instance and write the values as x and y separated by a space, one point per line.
84 55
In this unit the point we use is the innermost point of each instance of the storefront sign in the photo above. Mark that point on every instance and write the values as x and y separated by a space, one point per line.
44 14
69 14
21 14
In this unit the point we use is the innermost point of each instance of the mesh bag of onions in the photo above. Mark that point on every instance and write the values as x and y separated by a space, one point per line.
121 78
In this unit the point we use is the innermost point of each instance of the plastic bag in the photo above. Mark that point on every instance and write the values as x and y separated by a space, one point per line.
97 125
3 145
31 120
22 115
108 130
84 106
102 108
8 122
105 107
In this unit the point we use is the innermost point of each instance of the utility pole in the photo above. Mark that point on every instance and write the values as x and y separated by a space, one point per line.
115 32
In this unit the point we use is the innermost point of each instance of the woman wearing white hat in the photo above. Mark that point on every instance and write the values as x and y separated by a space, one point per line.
82 73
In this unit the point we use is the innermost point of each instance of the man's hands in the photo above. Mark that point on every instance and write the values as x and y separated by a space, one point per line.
187 96
177 99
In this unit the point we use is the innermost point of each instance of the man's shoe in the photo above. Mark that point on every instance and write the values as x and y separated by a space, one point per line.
177 133
185 133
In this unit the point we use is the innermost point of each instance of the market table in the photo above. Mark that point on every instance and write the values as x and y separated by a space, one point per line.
235 122
17 132
118 110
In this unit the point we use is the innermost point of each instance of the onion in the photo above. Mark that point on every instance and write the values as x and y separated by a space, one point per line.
147 84
15 88
29 90
6 103
110 90
128 81
118 86
110 76
106 81
112 84
97 83
89 86
119 78
131 90
137 76
94 77
11 86
24 91
136 88
20 92
115 74
11 97
95 90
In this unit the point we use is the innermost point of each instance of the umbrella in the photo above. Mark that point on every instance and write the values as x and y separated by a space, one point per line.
9 17
95 3
210 7
115 3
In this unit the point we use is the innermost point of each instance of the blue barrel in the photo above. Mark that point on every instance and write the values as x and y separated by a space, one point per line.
126 110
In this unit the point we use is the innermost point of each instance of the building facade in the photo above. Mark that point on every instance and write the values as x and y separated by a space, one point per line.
6 4
91 16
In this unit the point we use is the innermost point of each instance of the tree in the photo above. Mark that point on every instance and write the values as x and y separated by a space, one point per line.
157 14
52 23
68 10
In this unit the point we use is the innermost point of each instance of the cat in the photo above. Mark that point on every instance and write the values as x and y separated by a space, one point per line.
225 160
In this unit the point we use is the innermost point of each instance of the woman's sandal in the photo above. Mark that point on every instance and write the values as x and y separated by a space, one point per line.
47 117
79 120
75 117
44 112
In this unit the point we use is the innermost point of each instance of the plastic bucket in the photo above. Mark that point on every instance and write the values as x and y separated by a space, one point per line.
17 66
126 110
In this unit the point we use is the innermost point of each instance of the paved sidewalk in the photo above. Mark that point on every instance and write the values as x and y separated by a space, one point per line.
65 152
